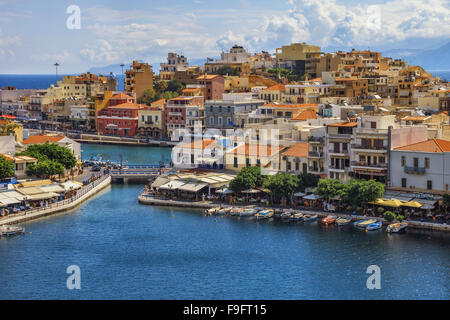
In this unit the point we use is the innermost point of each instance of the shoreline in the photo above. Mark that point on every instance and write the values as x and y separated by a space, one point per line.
145 200
65 205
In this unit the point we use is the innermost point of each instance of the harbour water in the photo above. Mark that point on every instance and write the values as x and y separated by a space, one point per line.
130 251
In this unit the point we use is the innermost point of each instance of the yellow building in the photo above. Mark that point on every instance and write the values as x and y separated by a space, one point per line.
235 83
297 51
139 78
246 155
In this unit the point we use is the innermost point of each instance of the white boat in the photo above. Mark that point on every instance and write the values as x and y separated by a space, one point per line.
310 217
399 227
296 217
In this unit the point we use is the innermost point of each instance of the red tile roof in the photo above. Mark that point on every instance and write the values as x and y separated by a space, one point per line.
122 96
197 144
300 150
344 124
42 139
128 105
305 115
278 86
432 145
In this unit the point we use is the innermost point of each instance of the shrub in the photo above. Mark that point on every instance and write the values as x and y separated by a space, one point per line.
400 218
380 209
389 216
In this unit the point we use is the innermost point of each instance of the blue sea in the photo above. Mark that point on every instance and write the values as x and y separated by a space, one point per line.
126 250
37 81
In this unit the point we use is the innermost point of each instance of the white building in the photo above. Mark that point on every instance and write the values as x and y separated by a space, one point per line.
421 167
237 54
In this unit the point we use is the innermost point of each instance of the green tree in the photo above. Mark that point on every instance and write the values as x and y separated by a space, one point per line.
175 86
247 178
360 192
6 168
389 216
307 180
149 96
45 169
281 185
328 188
228 70
8 127
52 152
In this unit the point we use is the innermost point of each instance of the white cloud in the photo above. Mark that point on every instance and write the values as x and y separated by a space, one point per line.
326 23
8 43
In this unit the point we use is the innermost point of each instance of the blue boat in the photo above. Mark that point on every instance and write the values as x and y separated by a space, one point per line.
374 226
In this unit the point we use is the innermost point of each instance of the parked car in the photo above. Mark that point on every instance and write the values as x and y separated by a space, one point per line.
96 168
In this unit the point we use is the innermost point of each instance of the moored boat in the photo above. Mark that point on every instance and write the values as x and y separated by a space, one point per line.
374 226
343 221
248 212
236 211
11 231
211 211
362 224
264 214
329 220
310 217
296 217
397 227
285 215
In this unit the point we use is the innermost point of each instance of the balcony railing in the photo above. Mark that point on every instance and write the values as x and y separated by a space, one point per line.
415 170
316 139
316 154
370 165
312 169
375 148
338 151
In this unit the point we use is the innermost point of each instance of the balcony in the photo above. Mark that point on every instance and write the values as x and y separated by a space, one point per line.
379 149
362 164
339 136
415 170
315 154
316 139
316 170
338 152
175 114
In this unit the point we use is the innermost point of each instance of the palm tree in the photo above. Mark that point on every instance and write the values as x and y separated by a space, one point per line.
8 127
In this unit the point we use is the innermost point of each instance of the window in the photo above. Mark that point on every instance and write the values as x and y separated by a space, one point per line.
403 182
288 165
416 162
296 166
427 163
373 125
403 161
247 162
235 162
430 185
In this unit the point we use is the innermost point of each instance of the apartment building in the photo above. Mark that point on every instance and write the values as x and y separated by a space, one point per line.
139 78
184 113
119 120
295 159
421 167
338 140
300 58
213 86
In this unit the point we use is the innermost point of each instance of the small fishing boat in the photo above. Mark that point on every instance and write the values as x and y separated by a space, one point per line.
285 215
362 224
296 217
212 211
374 226
223 211
236 211
343 221
399 227
248 212
329 220
264 214
9 231
309 217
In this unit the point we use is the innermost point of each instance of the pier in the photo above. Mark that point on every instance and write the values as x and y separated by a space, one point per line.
152 200
137 173
82 195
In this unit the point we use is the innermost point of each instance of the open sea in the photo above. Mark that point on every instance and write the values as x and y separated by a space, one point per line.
130 251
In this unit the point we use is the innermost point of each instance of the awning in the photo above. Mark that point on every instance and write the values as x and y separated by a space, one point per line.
35 183
8 201
192 187
312 197
299 194
159 182
412 204
68 185
28 191
53 188
42 196
251 191
224 191
172 185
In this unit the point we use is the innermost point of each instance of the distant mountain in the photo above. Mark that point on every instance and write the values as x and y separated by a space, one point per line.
431 59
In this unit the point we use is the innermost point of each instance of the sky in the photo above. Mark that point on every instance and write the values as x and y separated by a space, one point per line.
34 34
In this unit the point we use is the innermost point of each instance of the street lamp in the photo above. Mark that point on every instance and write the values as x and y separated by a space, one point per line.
123 79
56 66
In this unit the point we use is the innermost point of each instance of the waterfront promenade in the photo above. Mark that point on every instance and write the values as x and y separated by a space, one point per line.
81 195
152 200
